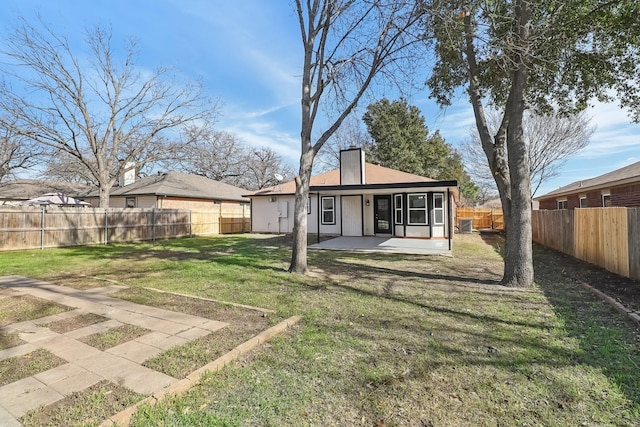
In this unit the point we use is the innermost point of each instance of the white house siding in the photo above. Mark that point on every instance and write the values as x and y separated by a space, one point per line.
418 231
141 202
352 167
351 215
272 214
368 215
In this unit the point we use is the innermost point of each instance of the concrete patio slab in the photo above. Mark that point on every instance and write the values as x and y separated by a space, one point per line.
386 244
68 378
21 396
17 351
135 351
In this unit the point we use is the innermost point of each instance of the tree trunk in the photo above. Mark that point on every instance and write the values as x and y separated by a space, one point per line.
299 248
104 196
518 269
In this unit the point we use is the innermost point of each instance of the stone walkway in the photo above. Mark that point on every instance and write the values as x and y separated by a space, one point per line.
87 365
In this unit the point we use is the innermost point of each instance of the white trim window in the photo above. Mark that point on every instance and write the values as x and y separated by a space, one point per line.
583 201
328 210
130 202
438 209
309 206
562 204
606 200
417 209
397 206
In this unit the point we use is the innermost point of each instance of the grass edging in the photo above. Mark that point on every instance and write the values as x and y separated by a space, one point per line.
233 304
617 305
182 386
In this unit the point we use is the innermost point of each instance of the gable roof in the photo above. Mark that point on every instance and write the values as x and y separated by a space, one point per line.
374 174
178 184
25 189
620 176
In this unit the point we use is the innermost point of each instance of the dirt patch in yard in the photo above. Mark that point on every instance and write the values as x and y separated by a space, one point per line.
551 263
113 337
26 307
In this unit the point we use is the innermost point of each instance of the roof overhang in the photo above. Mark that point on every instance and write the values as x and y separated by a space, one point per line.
575 190
371 188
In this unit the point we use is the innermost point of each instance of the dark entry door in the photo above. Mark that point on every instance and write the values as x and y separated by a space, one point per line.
382 214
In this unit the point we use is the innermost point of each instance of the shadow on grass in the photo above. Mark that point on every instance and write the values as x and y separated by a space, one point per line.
609 341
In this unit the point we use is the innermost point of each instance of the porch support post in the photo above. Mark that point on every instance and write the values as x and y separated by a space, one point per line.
318 214
450 221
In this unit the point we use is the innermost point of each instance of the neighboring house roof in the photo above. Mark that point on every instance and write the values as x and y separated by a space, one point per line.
177 184
55 199
374 175
625 175
25 189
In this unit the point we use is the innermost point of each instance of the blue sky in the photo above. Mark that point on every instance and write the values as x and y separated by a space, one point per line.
248 54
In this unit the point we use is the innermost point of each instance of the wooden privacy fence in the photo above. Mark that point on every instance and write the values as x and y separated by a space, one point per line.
607 237
35 227
482 218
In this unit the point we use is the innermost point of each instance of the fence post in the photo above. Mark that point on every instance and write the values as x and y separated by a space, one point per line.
190 224
153 224
106 226
42 228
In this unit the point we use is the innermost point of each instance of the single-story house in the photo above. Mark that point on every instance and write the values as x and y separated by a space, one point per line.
174 190
361 199
620 187
19 191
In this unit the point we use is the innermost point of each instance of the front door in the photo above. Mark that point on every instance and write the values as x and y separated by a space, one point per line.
382 214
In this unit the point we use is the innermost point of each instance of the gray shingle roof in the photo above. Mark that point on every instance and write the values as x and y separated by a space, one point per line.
177 184
25 189
610 179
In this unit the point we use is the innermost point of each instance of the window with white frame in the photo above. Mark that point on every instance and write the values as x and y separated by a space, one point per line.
397 206
309 206
606 200
130 202
583 201
417 209
562 204
328 210
438 209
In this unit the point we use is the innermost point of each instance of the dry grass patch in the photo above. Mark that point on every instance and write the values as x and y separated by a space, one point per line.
19 367
26 307
180 361
10 340
86 408
113 337
76 322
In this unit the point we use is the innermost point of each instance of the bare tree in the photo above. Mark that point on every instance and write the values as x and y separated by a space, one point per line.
17 153
351 133
66 168
550 140
346 45
223 157
214 154
101 111
264 168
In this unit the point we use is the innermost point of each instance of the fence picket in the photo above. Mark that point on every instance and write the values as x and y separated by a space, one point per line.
35 227
607 237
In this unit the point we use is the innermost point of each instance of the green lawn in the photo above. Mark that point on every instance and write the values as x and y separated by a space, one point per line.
385 339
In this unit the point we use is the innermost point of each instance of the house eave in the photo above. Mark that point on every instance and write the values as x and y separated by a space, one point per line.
607 185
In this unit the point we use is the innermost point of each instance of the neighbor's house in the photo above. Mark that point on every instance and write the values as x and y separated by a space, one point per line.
19 191
361 199
620 187
173 190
